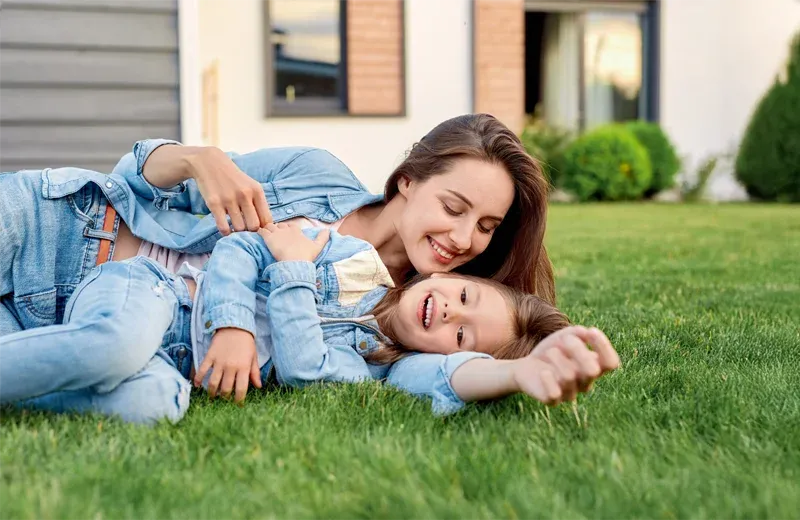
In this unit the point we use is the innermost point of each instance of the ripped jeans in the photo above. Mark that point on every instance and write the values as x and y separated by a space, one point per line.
124 348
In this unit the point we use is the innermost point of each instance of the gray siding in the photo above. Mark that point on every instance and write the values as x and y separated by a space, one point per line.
82 80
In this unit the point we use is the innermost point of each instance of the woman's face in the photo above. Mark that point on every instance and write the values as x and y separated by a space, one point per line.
449 219
446 314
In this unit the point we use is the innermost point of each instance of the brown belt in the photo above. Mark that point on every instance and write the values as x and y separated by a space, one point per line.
108 226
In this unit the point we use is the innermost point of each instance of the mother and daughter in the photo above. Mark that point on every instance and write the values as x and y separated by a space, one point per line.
118 290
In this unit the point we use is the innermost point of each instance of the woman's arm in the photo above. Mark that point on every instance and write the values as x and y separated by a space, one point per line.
205 180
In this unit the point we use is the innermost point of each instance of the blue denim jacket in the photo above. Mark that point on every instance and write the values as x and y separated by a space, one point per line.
319 315
297 181
52 219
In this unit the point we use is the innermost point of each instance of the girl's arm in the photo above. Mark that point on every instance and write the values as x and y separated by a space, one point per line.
559 367
299 352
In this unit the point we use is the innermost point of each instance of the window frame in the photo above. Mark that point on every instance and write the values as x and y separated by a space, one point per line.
314 107
649 23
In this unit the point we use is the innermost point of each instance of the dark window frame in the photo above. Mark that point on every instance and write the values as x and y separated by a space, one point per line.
305 107
649 21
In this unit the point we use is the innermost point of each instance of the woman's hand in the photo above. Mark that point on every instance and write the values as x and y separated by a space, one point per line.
227 190
562 364
233 360
288 243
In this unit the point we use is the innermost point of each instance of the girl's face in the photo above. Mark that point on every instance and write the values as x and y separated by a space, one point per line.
449 219
446 314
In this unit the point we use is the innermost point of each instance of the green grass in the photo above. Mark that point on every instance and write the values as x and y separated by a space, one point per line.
702 420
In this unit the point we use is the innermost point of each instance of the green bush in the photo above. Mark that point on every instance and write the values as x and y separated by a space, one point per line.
547 144
663 157
768 160
607 163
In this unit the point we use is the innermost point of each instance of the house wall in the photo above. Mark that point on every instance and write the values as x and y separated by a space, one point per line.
718 58
438 86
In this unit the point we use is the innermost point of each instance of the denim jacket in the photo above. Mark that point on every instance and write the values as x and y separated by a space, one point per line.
297 181
319 315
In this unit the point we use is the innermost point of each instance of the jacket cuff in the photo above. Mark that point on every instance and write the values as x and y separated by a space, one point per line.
296 271
229 316
142 151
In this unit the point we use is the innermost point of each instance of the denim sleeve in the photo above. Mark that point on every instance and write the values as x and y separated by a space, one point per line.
238 262
229 284
130 168
429 375
278 170
300 353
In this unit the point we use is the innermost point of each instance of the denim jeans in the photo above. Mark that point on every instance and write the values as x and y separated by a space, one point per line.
124 348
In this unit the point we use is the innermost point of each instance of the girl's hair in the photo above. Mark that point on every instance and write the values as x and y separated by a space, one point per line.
532 317
516 255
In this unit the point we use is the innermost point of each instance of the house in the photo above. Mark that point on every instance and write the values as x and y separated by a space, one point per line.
82 79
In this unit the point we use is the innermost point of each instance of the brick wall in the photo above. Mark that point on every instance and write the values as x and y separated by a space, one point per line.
375 82
499 56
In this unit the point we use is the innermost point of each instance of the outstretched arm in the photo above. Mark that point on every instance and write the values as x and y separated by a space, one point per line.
559 368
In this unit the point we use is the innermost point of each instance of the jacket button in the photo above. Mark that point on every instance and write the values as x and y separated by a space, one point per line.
109 185
290 211
362 345
208 324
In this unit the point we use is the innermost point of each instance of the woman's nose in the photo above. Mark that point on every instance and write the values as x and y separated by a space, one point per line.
461 237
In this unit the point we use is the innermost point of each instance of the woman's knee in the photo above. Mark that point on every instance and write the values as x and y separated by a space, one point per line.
159 392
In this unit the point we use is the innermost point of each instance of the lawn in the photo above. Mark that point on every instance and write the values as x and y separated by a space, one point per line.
702 420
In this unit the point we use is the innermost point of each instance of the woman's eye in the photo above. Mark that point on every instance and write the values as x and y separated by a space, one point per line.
450 210
484 229
460 335
464 296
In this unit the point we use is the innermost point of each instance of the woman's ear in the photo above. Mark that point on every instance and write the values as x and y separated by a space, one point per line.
403 185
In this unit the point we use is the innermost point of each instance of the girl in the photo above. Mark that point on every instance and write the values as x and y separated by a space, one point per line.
133 332
466 199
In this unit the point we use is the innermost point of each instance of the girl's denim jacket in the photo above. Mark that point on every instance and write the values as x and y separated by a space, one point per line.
319 315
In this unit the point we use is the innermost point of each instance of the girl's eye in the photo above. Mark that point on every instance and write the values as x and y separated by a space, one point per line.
484 229
460 335
450 210
464 296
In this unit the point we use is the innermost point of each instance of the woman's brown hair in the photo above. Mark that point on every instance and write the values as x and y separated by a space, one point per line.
516 255
532 317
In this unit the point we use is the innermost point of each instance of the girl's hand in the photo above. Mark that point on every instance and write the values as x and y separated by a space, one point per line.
562 364
288 243
233 361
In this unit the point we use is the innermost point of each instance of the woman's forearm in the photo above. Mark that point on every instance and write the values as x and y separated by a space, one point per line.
170 164
480 379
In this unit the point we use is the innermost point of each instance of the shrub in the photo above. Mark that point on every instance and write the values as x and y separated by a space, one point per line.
607 163
663 157
768 160
692 188
547 144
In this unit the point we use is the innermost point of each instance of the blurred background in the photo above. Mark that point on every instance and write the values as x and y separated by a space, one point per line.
82 80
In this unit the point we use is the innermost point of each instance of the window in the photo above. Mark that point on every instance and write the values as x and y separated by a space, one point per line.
306 57
589 63
334 58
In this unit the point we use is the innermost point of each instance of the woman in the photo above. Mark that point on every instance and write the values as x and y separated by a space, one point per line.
467 198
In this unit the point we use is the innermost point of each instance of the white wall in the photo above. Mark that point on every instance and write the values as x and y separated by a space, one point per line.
718 59
438 86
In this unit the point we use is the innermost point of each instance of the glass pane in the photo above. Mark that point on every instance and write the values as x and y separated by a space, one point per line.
306 48
612 67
